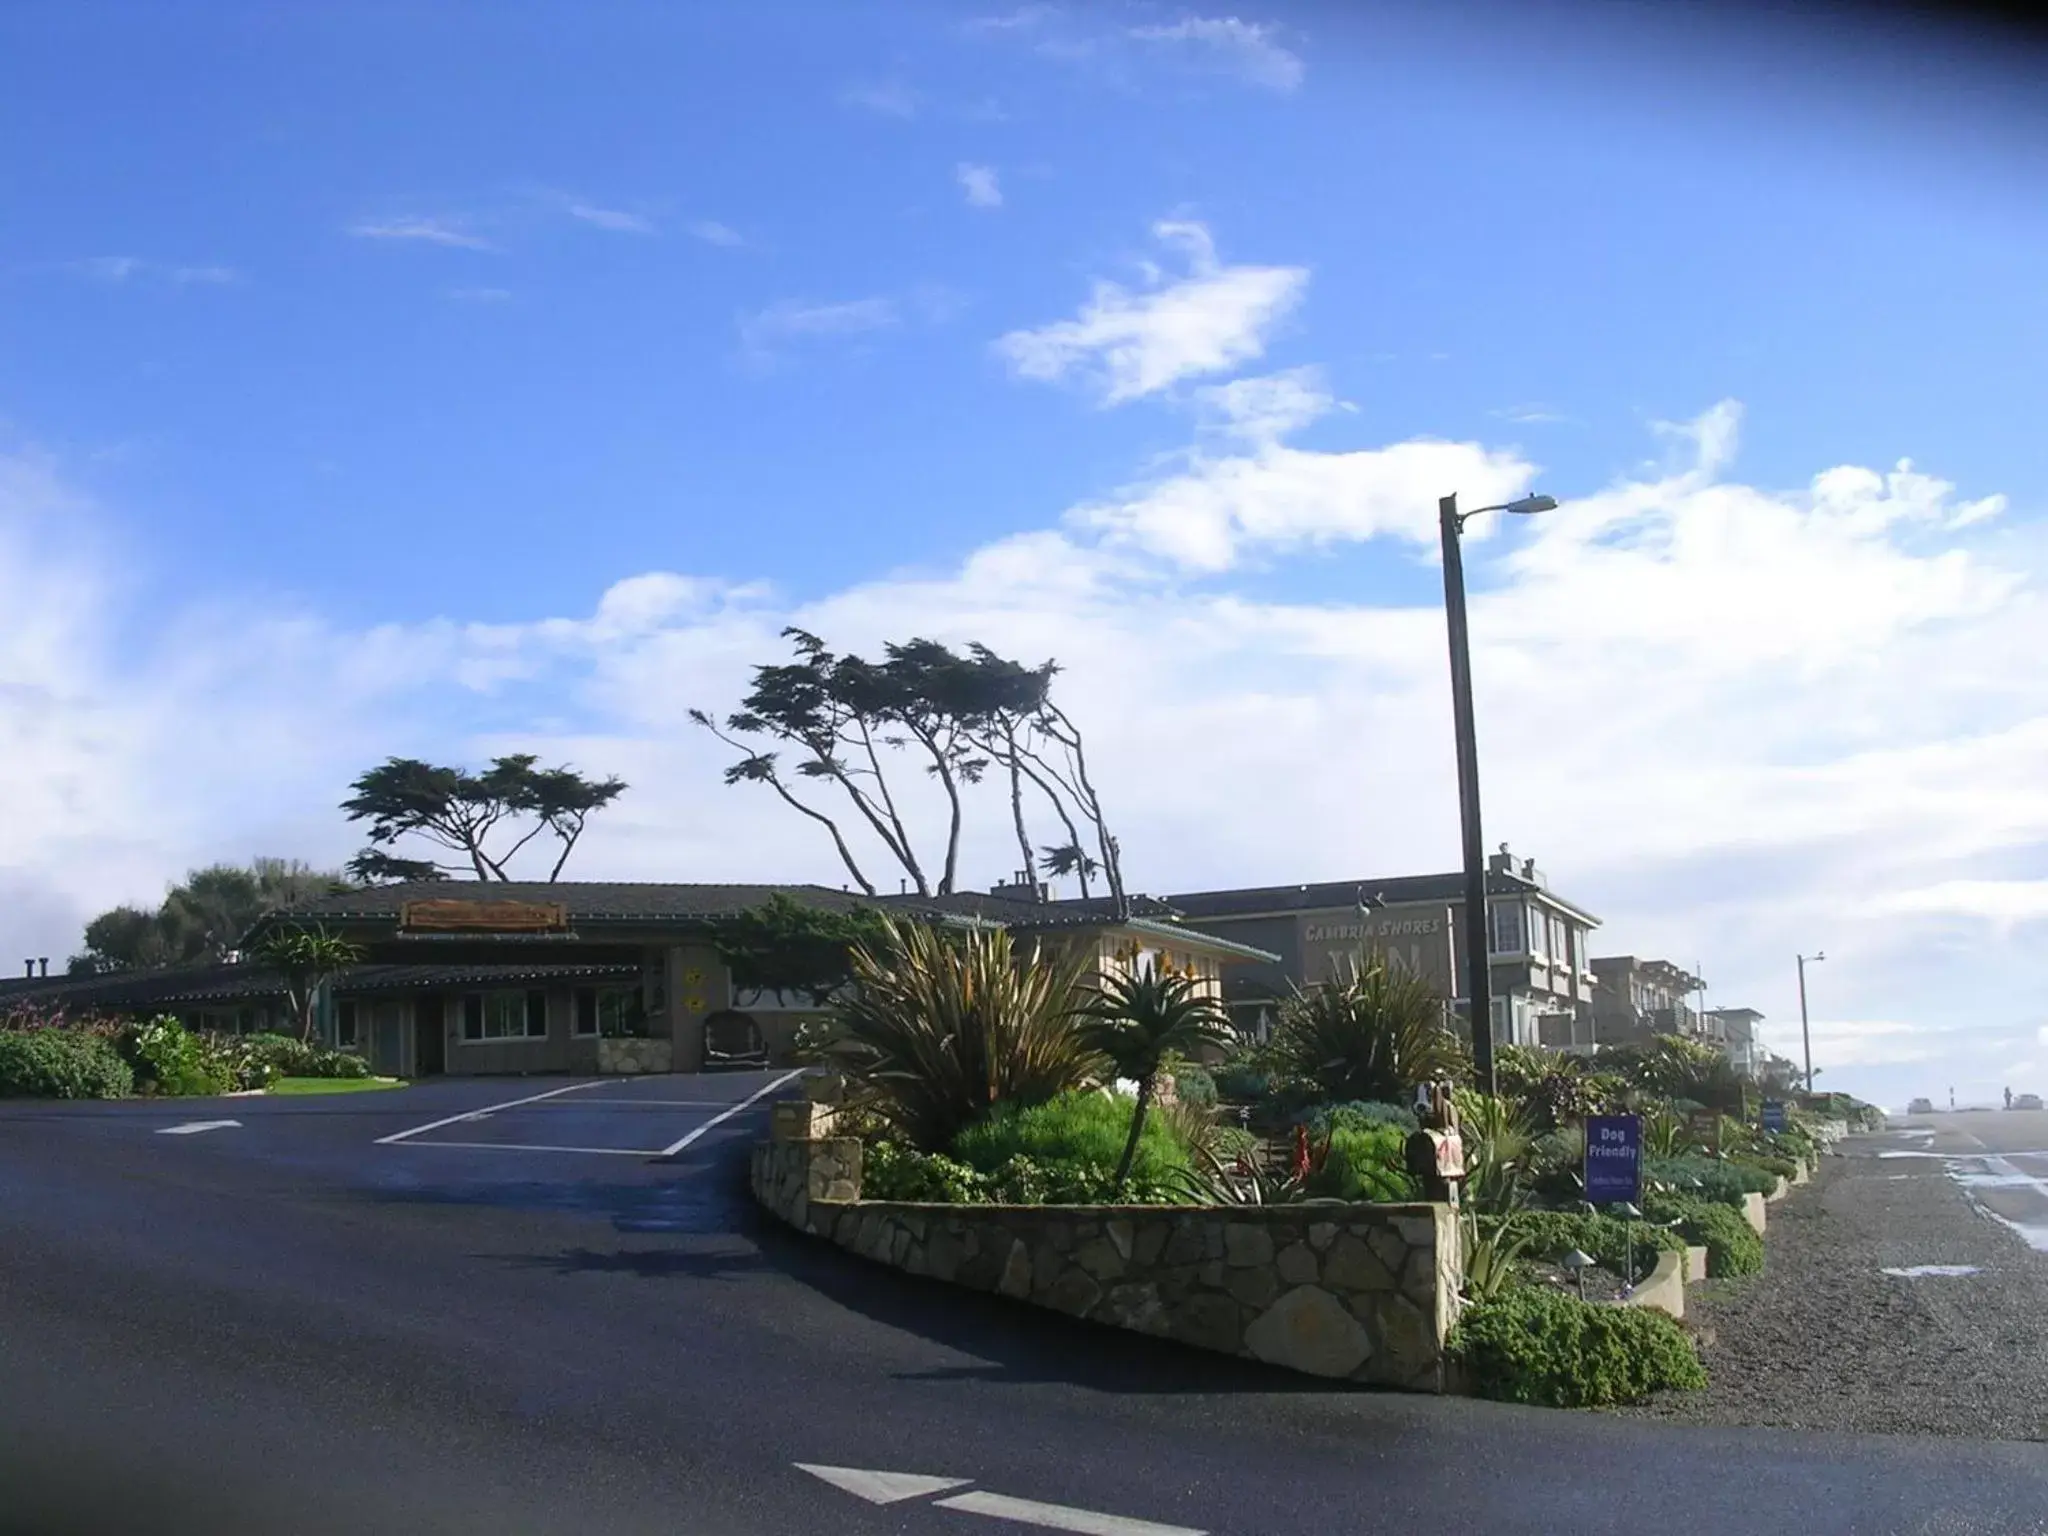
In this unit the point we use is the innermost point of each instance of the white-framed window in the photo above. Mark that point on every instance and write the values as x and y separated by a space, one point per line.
608 1011
1506 934
504 1016
345 1023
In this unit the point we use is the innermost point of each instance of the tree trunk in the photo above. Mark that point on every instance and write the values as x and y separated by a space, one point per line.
1123 1167
1030 869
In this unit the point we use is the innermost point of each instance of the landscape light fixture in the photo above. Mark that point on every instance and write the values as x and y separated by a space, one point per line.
1478 987
1806 1035
1578 1261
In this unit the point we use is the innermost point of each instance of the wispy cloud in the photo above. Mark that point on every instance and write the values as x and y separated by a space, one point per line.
431 231
889 98
1535 415
767 331
480 295
1023 17
122 269
1246 49
979 184
1131 344
617 220
711 232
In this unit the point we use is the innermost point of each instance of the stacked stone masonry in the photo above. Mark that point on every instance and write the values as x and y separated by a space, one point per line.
1366 1293
629 1055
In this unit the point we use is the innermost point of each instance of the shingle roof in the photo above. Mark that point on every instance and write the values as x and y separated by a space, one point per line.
1449 887
227 983
594 901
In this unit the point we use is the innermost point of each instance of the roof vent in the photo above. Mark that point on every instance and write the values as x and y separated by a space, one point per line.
44 962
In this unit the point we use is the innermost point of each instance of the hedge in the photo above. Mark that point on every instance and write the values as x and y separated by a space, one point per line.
1538 1345
1732 1244
61 1064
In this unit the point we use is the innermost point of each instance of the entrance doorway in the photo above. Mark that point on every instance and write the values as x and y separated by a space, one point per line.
429 1037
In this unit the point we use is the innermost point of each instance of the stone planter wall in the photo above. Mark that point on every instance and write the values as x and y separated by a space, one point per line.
1366 1293
626 1055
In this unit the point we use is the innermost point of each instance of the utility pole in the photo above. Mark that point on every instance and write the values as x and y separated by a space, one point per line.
1805 1034
1478 946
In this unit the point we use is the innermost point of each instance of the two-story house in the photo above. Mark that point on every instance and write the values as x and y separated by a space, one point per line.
1537 943
1634 999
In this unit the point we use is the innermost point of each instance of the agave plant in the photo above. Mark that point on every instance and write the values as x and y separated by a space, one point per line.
1499 1137
939 1029
1492 1257
1139 1022
1373 1035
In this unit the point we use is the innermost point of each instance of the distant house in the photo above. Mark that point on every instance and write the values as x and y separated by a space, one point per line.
1635 1000
461 977
1537 942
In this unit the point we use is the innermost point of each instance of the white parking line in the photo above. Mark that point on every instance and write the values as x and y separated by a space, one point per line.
527 1146
716 1120
488 1109
194 1127
1059 1517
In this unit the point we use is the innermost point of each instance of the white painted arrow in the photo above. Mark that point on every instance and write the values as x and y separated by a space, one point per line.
883 1487
894 1487
194 1127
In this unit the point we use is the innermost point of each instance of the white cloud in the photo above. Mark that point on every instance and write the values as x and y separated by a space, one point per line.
121 269
763 332
1242 48
887 98
1132 344
447 232
979 184
1736 721
711 232
616 220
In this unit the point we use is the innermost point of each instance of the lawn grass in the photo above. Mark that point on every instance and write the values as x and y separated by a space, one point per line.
333 1084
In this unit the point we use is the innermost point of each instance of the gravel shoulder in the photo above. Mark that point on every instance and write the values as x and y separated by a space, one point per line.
1825 1339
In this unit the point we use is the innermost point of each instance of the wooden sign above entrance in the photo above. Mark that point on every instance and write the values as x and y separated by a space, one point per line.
450 915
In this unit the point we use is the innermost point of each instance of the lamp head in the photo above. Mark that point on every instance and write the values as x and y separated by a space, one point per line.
1527 505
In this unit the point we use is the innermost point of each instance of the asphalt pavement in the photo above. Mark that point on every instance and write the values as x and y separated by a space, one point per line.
389 1311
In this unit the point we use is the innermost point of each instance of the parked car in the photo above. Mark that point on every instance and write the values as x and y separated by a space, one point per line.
2026 1101
1920 1107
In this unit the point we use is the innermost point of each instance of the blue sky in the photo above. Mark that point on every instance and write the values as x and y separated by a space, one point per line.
369 346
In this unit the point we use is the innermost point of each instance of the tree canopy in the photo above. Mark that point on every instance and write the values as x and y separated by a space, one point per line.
841 724
477 817
789 947
201 918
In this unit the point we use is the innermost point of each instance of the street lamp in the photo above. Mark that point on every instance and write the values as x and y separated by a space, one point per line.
1478 989
1805 1035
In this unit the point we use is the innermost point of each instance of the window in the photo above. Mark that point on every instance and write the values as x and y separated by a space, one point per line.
1507 936
505 1016
608 1011
345 1023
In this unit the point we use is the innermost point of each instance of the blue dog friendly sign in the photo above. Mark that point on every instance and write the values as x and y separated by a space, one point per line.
1614 1159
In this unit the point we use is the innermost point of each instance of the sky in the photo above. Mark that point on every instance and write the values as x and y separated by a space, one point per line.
441 381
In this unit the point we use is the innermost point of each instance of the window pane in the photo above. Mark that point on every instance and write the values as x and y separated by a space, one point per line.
536 1014
472 1018
586 1011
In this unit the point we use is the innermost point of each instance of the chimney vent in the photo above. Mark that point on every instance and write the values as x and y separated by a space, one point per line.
28 968
44 962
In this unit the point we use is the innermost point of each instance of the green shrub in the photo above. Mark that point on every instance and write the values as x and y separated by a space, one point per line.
1553 1234
61 1064
1777 1167
1732 1244
1242 1082
1357 1115
167 1058
1193 1085
1365 1163
1082 1127
1537 1345
892 1171
1708 1177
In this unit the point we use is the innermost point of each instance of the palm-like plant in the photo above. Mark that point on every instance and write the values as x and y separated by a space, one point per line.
1373 1035
1137 1021
307 959
937 1030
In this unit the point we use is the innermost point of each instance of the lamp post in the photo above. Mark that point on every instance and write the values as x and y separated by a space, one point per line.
1805 1035
1478 988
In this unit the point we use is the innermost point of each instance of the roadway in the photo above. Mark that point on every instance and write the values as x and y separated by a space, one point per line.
411 1311
1998 1156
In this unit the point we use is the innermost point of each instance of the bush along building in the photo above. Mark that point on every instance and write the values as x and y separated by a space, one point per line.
1537 944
